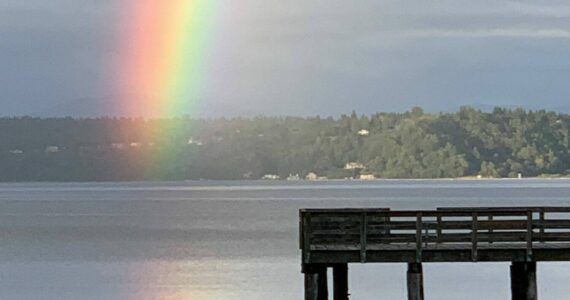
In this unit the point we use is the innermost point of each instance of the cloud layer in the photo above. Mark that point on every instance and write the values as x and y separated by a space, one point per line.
303 57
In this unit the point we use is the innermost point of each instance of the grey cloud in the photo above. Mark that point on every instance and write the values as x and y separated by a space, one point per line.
304 57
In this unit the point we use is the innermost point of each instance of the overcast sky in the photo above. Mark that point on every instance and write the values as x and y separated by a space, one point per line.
300 57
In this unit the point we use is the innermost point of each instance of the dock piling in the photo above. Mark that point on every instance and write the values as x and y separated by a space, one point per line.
316 286
415 281
523 281
340 279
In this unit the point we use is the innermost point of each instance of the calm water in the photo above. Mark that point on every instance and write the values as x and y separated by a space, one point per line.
229 240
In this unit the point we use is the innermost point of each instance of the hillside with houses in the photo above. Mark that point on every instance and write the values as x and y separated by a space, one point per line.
414 144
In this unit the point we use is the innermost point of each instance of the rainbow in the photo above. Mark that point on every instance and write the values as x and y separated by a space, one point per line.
163 49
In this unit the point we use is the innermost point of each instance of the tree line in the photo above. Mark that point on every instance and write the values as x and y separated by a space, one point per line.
413 144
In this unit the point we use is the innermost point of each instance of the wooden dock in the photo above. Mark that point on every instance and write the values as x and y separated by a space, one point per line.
333 238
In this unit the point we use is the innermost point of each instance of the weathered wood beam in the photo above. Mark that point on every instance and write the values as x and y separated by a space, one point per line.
415 281
523 281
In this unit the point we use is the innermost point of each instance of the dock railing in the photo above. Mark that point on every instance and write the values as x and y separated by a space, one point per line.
442 229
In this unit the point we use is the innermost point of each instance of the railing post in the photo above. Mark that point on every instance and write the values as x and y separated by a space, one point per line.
541 224
439 229
490 218
363 236
474 229
387 230
419 237
307 231
529 235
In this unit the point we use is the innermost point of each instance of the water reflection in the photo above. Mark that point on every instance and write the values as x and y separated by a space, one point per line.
176 280
213 279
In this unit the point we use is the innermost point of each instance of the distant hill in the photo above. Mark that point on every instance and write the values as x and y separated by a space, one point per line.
496 142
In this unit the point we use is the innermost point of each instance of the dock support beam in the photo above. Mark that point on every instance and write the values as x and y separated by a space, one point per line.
415 281
523 281
316 287
340 278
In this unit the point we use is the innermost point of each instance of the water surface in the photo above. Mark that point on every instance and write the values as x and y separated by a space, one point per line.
229 240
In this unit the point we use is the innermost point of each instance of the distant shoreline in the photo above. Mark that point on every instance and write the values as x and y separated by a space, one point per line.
465 178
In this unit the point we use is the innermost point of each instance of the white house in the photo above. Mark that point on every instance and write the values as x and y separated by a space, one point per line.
367 177
312 176
270 177
353 166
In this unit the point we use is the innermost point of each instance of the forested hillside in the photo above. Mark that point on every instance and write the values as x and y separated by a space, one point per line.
502 143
